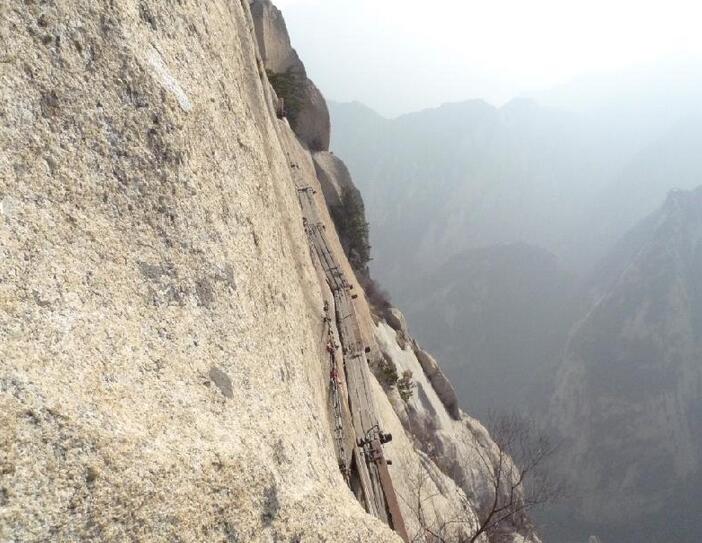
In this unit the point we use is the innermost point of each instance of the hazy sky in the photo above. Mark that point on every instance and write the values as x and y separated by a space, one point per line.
403 55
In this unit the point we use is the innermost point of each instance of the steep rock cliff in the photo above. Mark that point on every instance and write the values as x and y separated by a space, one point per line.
164 374
161 373
449 441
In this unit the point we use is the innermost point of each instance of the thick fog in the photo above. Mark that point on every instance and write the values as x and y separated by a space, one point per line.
398 56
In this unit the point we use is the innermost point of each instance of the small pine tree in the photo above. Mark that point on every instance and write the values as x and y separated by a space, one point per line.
290 87
350 220
387 373
406 385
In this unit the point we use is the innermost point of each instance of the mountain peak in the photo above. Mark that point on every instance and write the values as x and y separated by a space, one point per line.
686 201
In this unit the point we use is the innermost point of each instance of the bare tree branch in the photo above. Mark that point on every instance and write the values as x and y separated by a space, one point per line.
517 478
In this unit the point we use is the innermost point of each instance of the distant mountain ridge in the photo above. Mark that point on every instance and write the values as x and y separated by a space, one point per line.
506 231
467 175
447 179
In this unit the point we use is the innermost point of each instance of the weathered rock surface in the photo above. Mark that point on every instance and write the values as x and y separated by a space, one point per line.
430 367
443 387
449 440
308 112
273 39
396 320
162 375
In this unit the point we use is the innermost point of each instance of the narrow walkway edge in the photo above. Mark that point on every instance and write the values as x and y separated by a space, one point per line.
368 475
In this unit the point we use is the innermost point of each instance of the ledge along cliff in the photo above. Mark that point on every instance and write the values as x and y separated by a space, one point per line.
186 353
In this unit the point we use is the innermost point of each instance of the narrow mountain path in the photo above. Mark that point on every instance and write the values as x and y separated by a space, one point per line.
368 474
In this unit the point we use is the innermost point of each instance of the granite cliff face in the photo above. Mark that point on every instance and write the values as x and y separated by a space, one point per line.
628 394
159 314
163 373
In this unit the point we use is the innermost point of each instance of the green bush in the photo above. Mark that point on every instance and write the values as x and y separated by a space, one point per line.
386 373
350 220
290 87
406 385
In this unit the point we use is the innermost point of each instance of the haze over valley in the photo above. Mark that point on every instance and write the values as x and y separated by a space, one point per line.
548 252
311 271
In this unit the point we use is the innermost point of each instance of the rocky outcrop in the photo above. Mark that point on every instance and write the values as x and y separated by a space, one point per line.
628 394
347 208
273 39
311 122
305 105
396 320
443 387
430 367
449 440
334 177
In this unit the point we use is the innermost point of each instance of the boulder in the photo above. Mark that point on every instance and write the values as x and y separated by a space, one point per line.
334 177
396 319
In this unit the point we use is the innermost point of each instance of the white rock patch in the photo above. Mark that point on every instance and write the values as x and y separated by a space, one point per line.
169 82
425 398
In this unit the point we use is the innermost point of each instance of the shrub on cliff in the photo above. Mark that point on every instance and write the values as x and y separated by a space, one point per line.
378 298
290 87
350 220
406 385
386 372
